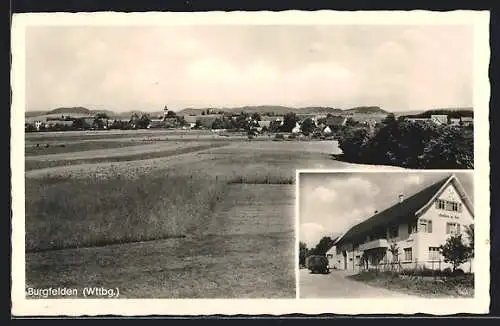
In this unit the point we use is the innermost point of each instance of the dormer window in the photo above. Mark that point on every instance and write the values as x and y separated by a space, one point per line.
448 205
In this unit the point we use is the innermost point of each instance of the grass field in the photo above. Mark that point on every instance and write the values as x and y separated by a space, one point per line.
460 287
130 153
188 219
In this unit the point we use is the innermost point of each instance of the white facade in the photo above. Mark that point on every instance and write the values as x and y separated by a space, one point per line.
467 121
418 119
417 239
296 129
327 130
439 119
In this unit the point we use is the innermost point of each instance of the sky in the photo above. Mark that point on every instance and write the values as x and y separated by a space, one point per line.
329 203
124 68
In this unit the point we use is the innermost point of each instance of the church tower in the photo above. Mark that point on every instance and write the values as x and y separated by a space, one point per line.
165 111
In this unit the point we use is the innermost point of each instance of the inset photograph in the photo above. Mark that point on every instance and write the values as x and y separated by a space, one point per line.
386 234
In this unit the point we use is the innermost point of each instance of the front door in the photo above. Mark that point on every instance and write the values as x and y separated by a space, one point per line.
345 260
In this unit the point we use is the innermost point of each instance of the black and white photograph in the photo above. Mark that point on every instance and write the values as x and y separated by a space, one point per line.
160 151
386 235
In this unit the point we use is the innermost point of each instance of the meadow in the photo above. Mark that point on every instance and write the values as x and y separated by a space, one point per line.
168 219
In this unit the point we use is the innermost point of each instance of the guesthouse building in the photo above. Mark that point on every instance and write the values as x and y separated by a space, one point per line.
408 234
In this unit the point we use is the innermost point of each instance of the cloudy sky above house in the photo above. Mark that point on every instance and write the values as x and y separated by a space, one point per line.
330 203
138 67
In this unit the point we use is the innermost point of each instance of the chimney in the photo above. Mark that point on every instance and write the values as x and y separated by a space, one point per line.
401 198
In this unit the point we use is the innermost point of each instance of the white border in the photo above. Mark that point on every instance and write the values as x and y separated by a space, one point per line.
132 307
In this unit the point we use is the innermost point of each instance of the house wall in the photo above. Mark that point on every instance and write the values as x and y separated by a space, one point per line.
331 255
420 241
439 218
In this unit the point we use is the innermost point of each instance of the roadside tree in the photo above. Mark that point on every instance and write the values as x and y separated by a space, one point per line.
455 251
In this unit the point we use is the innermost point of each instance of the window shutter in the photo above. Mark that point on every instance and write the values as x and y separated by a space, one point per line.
459 207
437 203
458 228
447 228
429 226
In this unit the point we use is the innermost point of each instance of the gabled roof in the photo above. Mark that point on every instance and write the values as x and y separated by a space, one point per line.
407 209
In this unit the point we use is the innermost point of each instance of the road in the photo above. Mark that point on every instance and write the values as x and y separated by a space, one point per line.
338 285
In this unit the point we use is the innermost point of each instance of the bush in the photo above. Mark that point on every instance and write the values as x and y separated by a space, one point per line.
411 145
352 143
454 148
455 251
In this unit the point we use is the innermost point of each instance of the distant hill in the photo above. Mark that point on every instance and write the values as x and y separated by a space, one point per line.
31 114
366 110
452 113
282 110
361 111
72 110
69 111
320 110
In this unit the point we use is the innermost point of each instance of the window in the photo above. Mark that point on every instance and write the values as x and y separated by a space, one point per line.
393 231
425 226
448 205
408 256
452 228
412 228
434 253
440 204
329 256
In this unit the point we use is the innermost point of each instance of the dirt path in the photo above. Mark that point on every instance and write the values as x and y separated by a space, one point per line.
337 285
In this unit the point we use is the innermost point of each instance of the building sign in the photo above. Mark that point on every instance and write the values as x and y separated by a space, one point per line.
448 216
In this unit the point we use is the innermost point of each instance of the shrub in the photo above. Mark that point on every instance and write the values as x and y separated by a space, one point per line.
409 144
454 148
455 251
352 143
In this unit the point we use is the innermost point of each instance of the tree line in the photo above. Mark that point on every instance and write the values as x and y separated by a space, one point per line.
101 122
417 145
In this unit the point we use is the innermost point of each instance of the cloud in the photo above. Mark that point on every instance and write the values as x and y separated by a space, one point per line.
311 233
413 180
336 204
143 67
324 194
